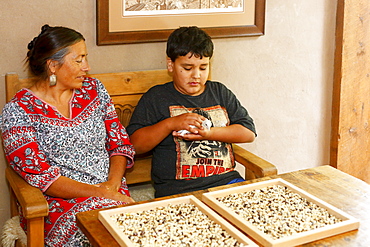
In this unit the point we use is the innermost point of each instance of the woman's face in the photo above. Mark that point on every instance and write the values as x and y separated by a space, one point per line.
72 72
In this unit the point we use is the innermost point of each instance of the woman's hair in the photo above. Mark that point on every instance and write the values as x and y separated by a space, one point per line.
52 43
189 39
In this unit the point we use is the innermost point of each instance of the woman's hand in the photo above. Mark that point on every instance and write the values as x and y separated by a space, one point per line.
111 192
109 185
118 196
127 199
68 188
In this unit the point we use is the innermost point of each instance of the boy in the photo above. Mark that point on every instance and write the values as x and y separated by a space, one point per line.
171 120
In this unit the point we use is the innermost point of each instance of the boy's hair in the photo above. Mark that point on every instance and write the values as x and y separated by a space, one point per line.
189 39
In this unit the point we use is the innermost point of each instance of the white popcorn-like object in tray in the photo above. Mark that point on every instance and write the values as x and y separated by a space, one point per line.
277 213
181 221
281 212
173 225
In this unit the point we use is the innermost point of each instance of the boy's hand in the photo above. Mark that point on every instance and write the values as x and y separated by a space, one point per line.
202 134
188 122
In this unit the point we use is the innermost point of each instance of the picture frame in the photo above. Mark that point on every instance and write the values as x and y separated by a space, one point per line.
114 27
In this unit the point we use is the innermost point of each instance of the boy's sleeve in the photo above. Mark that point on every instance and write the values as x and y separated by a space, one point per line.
238 114
144 113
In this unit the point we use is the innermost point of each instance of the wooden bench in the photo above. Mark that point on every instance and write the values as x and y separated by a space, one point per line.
125 88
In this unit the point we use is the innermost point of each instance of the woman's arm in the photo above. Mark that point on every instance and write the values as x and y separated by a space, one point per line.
117 169
68 188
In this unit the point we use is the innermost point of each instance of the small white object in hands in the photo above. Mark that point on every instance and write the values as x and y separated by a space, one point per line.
206 125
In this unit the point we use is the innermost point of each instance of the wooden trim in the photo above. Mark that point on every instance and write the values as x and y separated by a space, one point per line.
30 198
104 37
349 145
336 97
35 232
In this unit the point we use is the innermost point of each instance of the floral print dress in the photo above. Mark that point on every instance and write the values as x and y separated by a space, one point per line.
41 145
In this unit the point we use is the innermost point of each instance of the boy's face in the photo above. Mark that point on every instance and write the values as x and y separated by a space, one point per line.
189 73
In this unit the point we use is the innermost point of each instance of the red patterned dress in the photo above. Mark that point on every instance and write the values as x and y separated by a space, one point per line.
41 145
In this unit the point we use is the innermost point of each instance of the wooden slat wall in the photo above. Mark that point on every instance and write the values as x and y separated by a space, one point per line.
350 138
126 88
125 83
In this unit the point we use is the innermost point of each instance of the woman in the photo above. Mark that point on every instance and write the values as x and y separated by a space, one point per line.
62 135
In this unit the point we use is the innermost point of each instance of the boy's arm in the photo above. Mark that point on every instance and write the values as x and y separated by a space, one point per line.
234 133
146 138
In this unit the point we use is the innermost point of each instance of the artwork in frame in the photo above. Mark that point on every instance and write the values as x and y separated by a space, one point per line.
142 21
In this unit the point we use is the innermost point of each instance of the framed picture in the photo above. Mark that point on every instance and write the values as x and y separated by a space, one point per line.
142 21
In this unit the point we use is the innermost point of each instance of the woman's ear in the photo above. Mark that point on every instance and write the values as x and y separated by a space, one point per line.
52 65
169 64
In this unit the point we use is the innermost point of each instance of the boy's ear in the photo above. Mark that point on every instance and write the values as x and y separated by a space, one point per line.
169 64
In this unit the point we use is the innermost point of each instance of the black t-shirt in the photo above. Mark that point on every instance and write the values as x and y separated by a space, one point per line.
181 166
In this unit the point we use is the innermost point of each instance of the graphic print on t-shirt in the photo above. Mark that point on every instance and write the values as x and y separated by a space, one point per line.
203 158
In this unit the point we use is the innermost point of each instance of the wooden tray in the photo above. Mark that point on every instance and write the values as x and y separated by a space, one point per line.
123 240
348 222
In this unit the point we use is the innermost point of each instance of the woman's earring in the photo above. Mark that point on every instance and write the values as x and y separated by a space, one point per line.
52 80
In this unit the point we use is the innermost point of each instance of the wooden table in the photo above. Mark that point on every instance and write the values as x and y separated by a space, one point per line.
325 182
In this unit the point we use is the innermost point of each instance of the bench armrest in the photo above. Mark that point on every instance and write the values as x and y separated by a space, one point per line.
30 198
255 167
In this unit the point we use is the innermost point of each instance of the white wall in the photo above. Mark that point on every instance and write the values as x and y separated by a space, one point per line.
283 78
